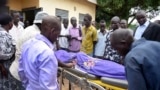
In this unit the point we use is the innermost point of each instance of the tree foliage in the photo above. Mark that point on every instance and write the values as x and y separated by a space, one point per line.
122 8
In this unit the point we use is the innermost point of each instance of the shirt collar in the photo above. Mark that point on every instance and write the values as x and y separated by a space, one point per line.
75 27
44 39
137 42
36 27
99 31
146 23
89 28
2 29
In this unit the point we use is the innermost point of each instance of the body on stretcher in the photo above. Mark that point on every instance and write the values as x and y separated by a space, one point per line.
107 83
90 68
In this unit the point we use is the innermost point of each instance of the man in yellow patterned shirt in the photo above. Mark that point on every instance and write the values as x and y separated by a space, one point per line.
89 36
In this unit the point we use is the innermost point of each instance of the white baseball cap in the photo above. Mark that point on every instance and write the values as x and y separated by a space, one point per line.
39 16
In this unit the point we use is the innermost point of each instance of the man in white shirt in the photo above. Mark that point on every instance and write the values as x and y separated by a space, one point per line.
28 33
146 29
64 35
100 45
17 29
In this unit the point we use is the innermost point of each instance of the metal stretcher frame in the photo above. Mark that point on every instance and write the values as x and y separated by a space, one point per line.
108 83
80 81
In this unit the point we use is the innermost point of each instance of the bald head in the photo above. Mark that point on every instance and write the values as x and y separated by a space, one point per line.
50 21
74 21
141 12
51 27
115 21
115 18
121 41
73 18
141 17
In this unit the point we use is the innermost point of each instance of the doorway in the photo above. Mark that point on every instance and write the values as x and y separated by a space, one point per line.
29 14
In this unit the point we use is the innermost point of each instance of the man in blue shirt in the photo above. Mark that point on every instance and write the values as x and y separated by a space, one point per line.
141 60
38 64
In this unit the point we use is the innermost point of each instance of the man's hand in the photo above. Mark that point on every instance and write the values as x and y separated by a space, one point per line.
3 71
74 38
70 65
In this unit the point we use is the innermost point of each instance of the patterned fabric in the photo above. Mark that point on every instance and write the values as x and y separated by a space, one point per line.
7 50
110 53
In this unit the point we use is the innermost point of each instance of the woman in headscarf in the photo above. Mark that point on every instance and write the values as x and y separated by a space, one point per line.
7 51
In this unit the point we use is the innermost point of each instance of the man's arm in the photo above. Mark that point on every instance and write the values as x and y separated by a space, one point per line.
21 73
7 49
94 40
48 71
134 74
67 65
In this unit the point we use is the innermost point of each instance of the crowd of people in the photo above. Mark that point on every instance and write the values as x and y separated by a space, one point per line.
27 59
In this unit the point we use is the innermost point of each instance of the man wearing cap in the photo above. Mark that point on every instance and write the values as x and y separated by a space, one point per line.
28 33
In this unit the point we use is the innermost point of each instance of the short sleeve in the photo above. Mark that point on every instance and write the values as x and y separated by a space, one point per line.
94 35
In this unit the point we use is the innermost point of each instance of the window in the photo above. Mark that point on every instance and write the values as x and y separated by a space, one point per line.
81 17
62 13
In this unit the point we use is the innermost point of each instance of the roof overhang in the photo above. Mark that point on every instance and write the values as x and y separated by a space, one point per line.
93 1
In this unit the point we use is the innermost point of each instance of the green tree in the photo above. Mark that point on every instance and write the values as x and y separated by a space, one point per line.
106 9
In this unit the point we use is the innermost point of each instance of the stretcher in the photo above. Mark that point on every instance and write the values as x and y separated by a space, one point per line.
88 81
77 79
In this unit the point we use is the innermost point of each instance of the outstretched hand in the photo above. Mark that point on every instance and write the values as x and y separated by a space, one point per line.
70 65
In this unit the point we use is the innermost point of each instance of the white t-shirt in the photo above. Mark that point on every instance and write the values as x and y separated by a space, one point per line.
140 30
63 41
16 32
101 43
27 34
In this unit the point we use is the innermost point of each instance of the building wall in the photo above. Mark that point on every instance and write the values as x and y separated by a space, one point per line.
30 3
73 6
15 5
18 5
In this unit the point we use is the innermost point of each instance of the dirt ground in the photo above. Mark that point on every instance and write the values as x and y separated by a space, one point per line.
66 86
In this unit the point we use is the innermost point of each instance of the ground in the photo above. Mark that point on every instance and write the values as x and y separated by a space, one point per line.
66 86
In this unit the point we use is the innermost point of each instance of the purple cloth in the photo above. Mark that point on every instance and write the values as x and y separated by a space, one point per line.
64 56
74 45
98 67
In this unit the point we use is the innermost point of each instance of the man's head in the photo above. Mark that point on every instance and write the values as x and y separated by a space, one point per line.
65 23
141 17
102 25
38 18
87 20
74 21
51 28
16 17
94 23
6 21
115 21
157 22
123 23
60 18
121 41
